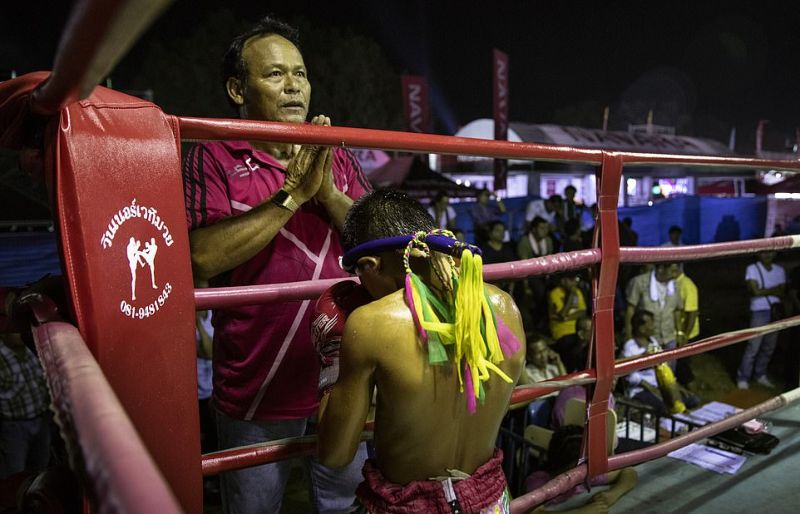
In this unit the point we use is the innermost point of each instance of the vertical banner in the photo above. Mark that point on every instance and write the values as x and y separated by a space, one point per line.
415 103
500 101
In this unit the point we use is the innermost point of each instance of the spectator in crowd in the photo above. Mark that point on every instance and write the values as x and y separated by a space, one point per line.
728 229
690 323
587 225
563 453
542 364
573 236
642 384
532 300
766 283
656 292
578 392
24 409
262 213
572 209
495 250
204 335
537 242
483 213
575 359
442 212
565 306
628 236
674 234
550 209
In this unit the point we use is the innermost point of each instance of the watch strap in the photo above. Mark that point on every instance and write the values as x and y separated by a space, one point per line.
283 199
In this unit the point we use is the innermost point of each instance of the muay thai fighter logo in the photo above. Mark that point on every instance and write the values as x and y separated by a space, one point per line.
141 259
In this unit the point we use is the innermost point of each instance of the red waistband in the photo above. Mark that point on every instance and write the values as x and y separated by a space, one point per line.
477 492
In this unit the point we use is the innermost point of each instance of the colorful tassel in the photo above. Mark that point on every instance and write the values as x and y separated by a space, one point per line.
461 328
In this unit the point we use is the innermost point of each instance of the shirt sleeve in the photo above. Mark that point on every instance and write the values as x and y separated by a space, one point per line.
634 292
752 274
556 302
581 301
691 302
348 176
205 189
629 350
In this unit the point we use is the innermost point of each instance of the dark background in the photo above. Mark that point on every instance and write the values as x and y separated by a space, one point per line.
703 67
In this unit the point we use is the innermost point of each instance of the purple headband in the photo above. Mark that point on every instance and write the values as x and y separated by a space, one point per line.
440 243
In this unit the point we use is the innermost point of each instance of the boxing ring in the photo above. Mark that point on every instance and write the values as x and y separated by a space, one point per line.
121 372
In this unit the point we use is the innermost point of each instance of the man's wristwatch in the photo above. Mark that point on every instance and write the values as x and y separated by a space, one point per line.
283 199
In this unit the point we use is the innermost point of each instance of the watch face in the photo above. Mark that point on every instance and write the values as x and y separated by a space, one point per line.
283 199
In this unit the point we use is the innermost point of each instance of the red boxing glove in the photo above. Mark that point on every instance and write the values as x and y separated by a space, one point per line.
327 325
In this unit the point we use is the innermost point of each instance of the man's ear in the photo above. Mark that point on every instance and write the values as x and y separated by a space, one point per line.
369 265
235 90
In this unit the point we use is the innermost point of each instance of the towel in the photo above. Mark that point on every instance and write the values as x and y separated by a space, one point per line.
654 296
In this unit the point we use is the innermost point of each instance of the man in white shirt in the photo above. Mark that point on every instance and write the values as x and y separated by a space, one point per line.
642 384
550 209
766 283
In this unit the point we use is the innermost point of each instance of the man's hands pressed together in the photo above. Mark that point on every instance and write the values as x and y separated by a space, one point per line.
309 172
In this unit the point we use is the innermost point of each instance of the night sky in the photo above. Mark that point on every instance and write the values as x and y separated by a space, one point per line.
701 66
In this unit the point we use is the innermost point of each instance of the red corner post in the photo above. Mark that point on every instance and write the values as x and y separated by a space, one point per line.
610 176
125 249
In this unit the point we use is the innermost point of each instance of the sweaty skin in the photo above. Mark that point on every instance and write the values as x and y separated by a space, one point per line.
422 426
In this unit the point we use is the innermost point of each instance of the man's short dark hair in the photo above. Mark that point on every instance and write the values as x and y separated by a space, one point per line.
675 228
232 63
494 223
384 213
536 221
570 187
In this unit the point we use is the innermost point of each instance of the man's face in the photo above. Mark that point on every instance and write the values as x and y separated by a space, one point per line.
569 193
276 87
647 327
766 258
675 237
667 273
538 354
569 283
540 231
497 233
